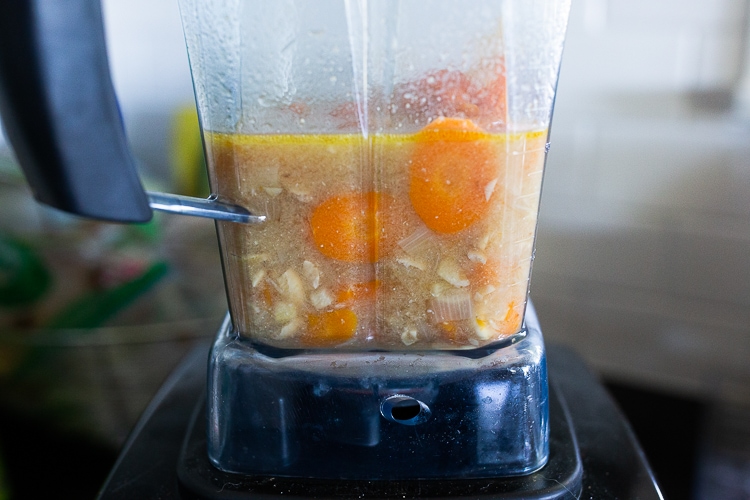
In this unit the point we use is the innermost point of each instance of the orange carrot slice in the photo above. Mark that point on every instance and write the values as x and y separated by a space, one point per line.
351 227
452 175
330 327
492 99
438 93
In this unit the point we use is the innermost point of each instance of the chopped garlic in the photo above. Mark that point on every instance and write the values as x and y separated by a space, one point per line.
484 329
409 336
411 262
482 292
292 286
273 191
290 328
483 241
300 193
312 273
258 277
449 270
321 298
489 189
283 312
477 256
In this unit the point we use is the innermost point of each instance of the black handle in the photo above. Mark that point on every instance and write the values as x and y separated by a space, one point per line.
60 112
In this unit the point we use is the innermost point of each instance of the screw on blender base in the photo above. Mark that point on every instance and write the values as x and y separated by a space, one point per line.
404 410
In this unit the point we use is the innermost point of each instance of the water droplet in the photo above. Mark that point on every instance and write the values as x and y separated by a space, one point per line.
487 400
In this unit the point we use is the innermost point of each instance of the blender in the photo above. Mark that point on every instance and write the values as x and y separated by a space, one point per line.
376 169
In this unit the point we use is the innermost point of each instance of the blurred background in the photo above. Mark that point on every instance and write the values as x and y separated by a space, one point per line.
642 262
643 250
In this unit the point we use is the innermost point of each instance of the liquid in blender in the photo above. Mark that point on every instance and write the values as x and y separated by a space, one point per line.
418 240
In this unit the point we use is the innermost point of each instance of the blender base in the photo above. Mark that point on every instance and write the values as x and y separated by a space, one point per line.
480 413
170 436
560 478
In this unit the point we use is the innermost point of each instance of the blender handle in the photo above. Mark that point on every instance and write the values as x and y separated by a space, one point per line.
60 111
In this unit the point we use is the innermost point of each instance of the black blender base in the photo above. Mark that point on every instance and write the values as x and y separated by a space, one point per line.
613 463
560 478
481 413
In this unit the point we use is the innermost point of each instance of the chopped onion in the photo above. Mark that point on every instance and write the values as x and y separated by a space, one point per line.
418 242
452 306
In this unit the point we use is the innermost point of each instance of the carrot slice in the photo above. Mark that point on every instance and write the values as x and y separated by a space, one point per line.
330 327
351 227
481 96
438 93
452 175
492 99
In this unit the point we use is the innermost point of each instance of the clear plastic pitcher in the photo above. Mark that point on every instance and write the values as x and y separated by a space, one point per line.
396 149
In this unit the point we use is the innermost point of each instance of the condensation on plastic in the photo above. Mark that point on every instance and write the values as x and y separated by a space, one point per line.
252 59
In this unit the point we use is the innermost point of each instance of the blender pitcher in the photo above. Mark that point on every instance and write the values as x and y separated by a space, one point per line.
389 155
396 150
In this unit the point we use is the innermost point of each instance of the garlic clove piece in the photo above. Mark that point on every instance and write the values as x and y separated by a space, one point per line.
449 270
